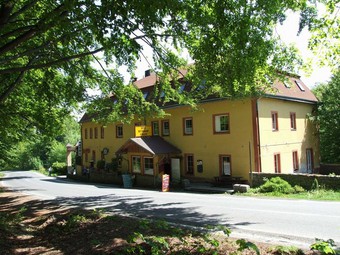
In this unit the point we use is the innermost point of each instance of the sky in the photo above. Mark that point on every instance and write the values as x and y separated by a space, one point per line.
288 33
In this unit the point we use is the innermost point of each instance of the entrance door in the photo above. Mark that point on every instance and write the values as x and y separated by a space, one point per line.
175 170
309 159
225 163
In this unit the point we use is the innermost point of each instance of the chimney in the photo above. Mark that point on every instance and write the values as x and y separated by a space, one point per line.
147 72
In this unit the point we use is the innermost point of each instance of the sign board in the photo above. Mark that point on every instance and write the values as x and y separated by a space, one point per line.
165 182
79 152
199 166
143 131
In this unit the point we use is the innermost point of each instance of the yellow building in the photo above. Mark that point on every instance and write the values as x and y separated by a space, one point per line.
223 138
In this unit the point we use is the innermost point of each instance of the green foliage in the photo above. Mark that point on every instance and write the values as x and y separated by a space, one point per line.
41 151
324 247
328 119
315 185
101 164
244 245
286 250
56 153
324 29
147 244
74 221
298 189
48 48
276 185
10 220
59 168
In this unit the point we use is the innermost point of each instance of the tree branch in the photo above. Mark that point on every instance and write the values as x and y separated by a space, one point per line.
58 61
24 37
16 31
23 9
34 31
5 12
12 86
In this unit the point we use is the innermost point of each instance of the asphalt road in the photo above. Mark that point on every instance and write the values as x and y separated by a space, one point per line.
282 221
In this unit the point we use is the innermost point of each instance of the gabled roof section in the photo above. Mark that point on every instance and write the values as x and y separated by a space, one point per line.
86 118
147 81
293 89
153 144
150 80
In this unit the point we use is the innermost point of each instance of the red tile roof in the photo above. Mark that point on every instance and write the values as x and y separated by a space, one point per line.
293 92
150 80
280 90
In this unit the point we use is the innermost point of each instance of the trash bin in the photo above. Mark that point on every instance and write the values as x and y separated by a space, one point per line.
127 181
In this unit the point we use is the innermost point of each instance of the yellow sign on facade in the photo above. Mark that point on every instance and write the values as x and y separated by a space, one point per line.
143 131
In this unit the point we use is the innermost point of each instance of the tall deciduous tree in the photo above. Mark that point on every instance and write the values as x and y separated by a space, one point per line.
48 47
328 118
324 29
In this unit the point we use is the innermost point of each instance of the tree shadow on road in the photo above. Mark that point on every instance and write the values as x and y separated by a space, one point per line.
42 225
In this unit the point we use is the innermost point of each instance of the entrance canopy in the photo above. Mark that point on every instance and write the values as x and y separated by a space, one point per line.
153 144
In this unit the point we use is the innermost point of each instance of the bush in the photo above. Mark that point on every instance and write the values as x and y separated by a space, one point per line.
59 168
276 185
298 189
35 163
101 164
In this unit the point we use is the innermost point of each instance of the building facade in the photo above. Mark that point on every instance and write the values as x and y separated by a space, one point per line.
221 138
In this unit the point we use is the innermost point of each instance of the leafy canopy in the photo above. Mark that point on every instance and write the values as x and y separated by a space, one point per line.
48 50
328 119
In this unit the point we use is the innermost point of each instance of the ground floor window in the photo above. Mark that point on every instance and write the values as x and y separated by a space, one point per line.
136 164
309 160
148 166
277 163
225 165
189 164
94 156
295 161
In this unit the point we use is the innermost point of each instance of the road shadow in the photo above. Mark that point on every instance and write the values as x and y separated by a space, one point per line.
38 215
15 178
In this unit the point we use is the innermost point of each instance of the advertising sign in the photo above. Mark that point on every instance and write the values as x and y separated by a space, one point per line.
143 131
165 182
79 152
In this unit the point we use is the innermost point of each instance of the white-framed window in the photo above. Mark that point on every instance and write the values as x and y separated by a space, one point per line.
148 166
155 128
136 164
187 126
287 84
119 131
221 123
300 86
225 165
165 127
275 123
